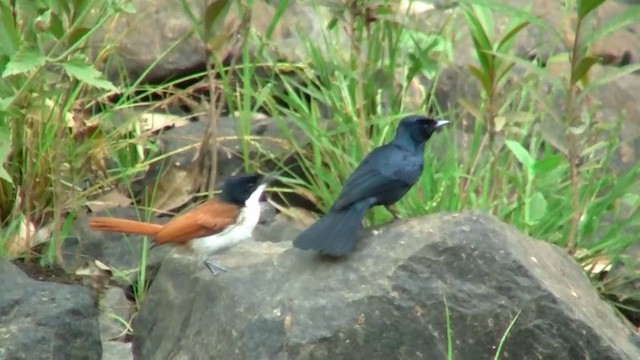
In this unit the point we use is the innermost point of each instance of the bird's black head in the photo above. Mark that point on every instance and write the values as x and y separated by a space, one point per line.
416 129
238 188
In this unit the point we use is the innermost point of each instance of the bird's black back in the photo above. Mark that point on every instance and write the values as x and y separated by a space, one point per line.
383 177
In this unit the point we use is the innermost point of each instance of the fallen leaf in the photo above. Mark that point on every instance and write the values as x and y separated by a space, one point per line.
96 276
110 200
594 264
94 268
174 188
25 237
157 121
22 239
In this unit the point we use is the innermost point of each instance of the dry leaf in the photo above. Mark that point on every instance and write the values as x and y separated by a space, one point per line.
96 276
598 265
110 200
26 237
94 268
594 265
174 188
102 266
156 121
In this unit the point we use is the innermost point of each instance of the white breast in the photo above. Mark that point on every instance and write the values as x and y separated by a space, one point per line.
247 221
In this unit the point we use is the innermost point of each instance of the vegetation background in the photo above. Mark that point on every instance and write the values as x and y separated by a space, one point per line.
532 142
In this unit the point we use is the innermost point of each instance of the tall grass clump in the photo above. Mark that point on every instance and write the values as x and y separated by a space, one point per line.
551 172
45 75
345 103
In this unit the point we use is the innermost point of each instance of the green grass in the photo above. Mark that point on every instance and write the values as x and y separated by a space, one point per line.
345 102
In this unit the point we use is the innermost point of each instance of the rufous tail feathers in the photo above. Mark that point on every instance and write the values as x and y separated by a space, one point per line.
124 226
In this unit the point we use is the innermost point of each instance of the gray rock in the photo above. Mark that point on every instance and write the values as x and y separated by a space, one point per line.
385 301
45 320
115 350
115 312
158 34
140 39
281 228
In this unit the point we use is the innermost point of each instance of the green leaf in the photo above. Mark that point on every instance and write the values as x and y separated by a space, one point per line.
593 148
507 40
471 108
587 6
80 6
332 23
484 80
87 74
485 19
481 41
24 60
503 70
188 12
56 26
6 102
582 68
5 146
62 6
547 164
520 153
78 34
214 15
128 7
628 17
281 9
611 74
9 37
554 80
537 208
518 13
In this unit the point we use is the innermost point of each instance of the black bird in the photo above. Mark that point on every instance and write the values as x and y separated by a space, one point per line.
384 176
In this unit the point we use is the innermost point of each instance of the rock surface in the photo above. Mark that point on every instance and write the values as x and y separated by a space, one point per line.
45 320
386 301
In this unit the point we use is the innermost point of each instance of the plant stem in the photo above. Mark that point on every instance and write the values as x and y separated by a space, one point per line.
572 152
211 134
360 72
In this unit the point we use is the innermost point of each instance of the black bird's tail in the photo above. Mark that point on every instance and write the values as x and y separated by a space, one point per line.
335 233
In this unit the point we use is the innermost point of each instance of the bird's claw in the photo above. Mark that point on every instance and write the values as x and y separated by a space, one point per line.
213 267
393 212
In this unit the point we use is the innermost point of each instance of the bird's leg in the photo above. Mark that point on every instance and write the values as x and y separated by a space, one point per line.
213 267
392 209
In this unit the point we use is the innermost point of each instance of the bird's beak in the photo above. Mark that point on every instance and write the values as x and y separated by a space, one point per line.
441 123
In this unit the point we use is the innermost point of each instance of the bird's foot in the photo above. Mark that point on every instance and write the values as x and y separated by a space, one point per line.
214 268
392 210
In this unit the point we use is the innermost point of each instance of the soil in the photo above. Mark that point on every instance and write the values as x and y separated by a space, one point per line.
52 273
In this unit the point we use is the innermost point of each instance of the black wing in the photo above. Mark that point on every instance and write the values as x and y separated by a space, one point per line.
387 169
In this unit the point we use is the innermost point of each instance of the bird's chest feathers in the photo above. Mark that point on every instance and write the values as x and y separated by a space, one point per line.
233 234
